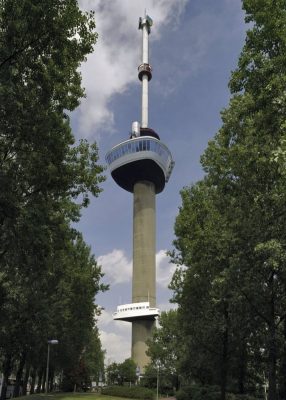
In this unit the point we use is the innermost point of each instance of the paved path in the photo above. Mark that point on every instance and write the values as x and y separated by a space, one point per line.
168 398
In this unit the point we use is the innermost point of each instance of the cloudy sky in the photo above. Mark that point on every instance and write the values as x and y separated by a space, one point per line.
194 46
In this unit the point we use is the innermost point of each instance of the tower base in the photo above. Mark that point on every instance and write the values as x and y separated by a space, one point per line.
141 331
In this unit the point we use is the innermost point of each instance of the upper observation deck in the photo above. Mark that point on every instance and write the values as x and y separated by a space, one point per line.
135 311
142 158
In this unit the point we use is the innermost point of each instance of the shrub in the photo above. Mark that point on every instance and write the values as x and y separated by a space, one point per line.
135 392
232 396
195 392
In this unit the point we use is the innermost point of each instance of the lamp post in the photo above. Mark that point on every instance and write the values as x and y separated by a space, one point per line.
158 372
138 372
53 341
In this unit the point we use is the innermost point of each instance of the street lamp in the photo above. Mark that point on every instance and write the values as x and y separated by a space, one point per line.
53 341
158 371
138 372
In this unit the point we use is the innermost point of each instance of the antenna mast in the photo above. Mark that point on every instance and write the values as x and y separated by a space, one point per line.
144 69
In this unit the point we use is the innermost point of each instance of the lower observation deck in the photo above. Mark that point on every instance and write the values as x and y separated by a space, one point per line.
142 158
135 311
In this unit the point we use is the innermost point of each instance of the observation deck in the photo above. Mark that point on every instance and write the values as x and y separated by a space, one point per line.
142 158
135 311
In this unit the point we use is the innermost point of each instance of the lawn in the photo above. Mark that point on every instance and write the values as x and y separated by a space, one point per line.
70 396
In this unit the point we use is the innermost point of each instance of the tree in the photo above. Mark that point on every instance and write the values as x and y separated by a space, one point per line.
122 372
46 178
242 158
235 247
41 50
88 367
112 373
165 349
94 357
127 371
203 290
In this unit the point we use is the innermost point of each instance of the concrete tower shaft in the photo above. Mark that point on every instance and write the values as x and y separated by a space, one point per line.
144 247
142 165
144 222
141 331
144 266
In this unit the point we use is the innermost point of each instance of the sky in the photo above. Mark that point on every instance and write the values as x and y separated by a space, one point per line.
193 47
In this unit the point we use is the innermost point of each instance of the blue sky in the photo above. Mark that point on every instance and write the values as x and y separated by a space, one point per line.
194 46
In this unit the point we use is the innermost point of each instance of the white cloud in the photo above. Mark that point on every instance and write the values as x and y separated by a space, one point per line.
115 338
116 335
167 306
117 346
112 66
165 269
104 319
116 267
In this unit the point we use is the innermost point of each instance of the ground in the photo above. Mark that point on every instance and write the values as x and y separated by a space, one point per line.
77 396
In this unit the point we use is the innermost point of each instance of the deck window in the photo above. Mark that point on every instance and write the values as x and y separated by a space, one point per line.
137 146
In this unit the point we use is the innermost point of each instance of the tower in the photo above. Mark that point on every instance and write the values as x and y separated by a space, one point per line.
142 165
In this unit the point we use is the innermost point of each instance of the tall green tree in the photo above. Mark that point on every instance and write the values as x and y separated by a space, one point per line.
46 178
243 161
122 372
165 349
41 50
127 371
112 374
204 291
243 267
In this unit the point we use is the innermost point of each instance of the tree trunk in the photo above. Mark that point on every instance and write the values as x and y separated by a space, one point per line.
177 382
51 380
26 379
19 374
224 364
33 381
7 368
39 382
272 395
223 382
44 383
282 386
242 367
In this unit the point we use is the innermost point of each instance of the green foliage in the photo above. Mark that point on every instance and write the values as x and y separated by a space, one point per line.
231 396
195 392
208 393
230 232
112 374
72 396
120 373
198 393
127 371
164 349
76 378
94 356
49 278
135 392
167 383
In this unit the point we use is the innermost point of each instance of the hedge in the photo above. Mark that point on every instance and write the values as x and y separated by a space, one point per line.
195 392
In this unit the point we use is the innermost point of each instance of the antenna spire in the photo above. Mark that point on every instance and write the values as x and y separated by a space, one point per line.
144 69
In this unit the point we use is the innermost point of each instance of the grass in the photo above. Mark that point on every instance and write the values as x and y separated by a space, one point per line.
70 396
